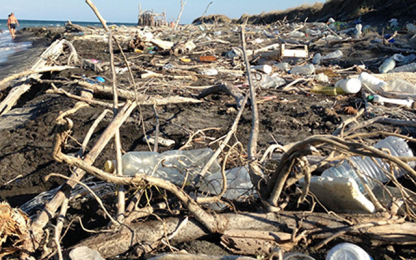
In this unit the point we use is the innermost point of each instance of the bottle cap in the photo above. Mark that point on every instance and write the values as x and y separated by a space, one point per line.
109 166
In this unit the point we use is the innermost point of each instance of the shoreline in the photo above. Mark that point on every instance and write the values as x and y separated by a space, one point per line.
22 60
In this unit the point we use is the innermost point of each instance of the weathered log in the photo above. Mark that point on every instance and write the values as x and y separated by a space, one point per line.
316 225
141 98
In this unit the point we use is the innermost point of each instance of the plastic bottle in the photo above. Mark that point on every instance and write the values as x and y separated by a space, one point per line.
296 34
348 86
317 59
283 66
307 69
387 65
333 55
263 68
411 27
397 147
406 68
173 166
404 102
344 86
271 82
347 251
209 72
358 31
372 82
402 86
238 183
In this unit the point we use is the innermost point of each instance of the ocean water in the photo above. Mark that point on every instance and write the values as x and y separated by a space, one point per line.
8 46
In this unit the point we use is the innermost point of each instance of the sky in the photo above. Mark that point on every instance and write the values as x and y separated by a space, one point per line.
128 10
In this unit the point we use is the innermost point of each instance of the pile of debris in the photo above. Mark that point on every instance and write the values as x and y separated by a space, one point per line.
245 191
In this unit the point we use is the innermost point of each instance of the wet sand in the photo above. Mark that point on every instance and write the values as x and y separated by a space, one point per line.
23 60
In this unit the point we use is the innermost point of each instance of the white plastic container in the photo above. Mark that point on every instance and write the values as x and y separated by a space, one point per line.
372 82
333 55
349 86
387 65
369 169
347 251
307 69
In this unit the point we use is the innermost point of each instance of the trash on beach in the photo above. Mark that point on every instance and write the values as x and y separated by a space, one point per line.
290 50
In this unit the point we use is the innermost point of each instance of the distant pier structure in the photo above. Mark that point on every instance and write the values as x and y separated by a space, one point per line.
149 18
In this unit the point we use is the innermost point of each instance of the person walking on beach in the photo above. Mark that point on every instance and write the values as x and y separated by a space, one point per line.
12 22
8 22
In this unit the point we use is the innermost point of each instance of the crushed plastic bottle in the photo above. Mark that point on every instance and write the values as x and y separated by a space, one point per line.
369 168
333 55
282 66
306 70
399 85
273 81
176 166
406 68
297 34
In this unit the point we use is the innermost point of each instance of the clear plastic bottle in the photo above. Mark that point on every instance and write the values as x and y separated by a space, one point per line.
317 59
370 170
297 34
402 86
271 81
333 55
282 66
307 69
387 65
173 166
406 68
372 82
238 183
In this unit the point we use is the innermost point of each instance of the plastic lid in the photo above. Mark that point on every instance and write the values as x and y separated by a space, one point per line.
347 251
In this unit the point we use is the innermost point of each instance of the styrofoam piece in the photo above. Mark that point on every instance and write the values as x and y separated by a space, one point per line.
340 194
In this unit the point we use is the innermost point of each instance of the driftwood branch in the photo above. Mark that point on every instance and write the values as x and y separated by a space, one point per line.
180 14
317 226
51 207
